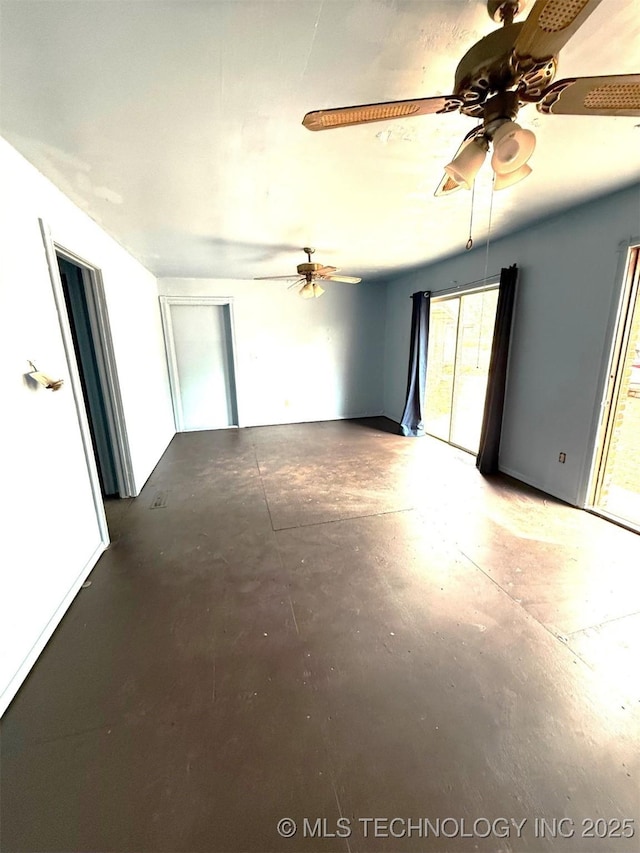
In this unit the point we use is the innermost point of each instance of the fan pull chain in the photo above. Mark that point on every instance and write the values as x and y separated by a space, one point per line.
486 267
473 195
480 332
486 257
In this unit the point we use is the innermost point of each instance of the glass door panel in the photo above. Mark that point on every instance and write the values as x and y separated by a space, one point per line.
459 351
618 477
441 356
475 337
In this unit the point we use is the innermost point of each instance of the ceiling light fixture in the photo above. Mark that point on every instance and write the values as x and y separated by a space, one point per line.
306 291
447 186
317 290
512 147
508 179
466 164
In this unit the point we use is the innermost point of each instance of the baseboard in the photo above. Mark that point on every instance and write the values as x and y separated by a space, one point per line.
349 417
389 418
530 482
510 472
9 692
360 417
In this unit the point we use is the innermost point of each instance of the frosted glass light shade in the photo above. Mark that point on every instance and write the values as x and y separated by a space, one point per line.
306 291
317 290
447 186
508 179
465 166
512 147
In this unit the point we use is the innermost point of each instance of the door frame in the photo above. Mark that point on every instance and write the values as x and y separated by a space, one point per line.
107 370
618 337
172 362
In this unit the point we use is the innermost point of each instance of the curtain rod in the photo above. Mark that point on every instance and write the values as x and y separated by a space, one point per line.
437 293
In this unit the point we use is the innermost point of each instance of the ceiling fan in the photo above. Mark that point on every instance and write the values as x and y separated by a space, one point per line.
511 67
309 274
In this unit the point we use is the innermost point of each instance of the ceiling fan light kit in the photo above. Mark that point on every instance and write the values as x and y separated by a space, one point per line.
512 147
466 164
508 179
511 67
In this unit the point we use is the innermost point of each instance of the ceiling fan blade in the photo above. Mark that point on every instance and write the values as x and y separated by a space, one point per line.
347 279
550 25
327 270
296 282
274 277
365 113
612 95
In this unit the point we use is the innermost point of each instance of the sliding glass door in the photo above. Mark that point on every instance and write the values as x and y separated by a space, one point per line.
460 338
616 479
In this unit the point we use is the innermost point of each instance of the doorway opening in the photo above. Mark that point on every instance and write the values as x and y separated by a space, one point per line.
459 350
73 280
200 348
80 300
615 487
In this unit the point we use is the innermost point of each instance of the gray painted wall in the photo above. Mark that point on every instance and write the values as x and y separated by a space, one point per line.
571 271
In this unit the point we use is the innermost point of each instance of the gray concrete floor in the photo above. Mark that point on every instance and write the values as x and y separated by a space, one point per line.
328 621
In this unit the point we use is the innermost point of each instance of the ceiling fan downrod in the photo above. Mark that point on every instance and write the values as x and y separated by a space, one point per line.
504 11
309 269
499 109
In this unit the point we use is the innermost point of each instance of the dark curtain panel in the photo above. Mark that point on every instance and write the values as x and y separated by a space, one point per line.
412 422
487 459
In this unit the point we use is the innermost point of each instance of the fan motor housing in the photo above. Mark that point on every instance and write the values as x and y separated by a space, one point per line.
303 269
491 66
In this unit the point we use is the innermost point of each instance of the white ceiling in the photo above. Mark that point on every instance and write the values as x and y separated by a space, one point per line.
176 125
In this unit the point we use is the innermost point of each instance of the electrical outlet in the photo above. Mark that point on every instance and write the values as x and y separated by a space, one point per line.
562 458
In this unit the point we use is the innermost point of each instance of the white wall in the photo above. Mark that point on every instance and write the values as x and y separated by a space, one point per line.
50 536
301 359
571 270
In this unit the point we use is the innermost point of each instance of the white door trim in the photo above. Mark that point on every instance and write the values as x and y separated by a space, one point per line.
172 363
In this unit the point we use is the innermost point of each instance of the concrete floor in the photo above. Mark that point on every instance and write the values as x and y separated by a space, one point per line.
329 621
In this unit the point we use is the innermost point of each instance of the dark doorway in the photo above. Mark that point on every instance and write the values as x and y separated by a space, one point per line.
73 287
